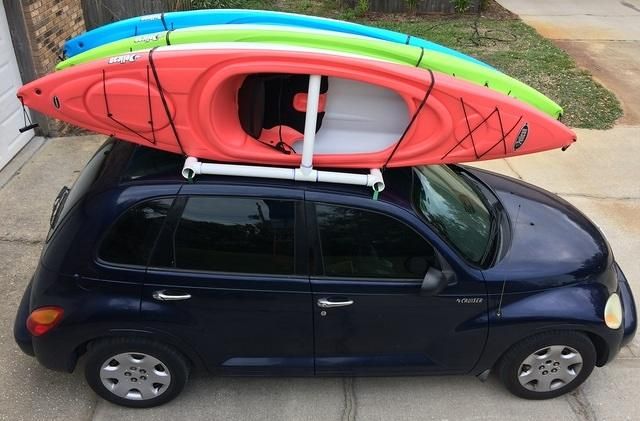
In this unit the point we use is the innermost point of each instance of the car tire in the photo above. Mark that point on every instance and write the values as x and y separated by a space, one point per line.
547 365
135 372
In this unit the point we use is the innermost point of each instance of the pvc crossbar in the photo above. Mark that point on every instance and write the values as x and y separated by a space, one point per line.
373 179
193 167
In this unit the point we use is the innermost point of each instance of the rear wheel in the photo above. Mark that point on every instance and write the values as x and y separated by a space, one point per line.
547 365
135 372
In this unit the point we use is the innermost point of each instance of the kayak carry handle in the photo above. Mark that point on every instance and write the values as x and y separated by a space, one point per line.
29 127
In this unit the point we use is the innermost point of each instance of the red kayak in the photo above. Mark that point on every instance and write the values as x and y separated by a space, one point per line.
247 103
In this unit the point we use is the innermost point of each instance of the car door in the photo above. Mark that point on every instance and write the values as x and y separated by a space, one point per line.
227 277
370 316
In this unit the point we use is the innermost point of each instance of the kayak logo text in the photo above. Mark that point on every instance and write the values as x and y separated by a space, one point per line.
127 58
146 38
522 136
157 16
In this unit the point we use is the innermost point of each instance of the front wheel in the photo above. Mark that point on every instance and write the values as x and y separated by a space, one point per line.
547 365
135 372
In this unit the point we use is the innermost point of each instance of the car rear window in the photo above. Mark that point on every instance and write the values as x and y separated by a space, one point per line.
67 199
147 162
130 240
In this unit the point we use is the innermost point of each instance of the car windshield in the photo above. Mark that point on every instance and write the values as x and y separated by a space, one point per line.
455 209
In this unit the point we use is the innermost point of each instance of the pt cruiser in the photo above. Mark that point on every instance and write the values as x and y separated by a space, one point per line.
452 270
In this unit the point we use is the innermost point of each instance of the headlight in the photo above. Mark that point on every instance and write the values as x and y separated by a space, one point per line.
613 312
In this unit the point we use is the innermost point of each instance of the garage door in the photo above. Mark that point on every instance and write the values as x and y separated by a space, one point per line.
11 141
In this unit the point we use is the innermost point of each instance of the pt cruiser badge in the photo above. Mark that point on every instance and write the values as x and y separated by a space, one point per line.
469 300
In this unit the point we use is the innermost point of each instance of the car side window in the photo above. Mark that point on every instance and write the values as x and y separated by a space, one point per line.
130 240
241 235
361 244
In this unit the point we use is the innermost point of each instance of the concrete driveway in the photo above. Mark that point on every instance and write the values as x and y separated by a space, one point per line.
601 35
598 174
595 184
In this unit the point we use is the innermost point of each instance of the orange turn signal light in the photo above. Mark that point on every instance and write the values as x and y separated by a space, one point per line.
43 319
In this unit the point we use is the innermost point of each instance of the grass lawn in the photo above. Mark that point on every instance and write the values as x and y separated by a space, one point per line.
501 40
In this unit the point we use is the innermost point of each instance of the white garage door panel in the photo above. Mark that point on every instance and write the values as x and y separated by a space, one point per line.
11 141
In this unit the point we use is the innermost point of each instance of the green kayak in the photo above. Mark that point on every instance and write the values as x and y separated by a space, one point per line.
327 40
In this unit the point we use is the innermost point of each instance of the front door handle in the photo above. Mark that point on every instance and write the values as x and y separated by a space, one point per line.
164 295
328 303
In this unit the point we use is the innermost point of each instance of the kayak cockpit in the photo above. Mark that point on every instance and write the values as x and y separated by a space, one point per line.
352 117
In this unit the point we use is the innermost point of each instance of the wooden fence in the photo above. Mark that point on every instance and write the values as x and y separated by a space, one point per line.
422 6
100 12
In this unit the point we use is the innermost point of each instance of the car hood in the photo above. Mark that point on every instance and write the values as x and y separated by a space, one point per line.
547 242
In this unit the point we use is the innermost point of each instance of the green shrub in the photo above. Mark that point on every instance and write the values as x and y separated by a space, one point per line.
412 5
362 8
461 6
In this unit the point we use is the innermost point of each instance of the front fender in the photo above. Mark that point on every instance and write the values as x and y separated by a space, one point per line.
514 317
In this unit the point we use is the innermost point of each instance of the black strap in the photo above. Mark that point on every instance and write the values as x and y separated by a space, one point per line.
281 145
466 118
408 40
153 130
420 58
110 114
413 119
502 139
164 22
26 118
164 100
167 37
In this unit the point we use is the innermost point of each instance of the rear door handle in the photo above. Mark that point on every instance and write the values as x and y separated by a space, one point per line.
328 303
164 295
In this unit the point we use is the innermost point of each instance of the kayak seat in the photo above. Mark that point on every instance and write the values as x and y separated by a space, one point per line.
266 101
251 106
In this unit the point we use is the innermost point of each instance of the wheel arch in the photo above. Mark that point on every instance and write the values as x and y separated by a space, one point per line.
195 360
492 357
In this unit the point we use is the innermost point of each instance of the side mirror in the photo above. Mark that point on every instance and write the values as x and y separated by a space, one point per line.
436 280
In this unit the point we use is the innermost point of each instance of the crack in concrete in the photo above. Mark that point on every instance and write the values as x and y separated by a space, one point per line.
582 14
513 169
28 241
600 197
630 6
349 412
581 407
94 409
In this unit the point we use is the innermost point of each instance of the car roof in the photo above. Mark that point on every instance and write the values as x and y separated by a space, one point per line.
129 164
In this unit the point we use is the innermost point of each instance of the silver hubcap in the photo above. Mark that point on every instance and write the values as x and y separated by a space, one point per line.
550 368
135 376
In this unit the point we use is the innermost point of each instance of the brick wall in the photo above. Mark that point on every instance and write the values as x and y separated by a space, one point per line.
48 24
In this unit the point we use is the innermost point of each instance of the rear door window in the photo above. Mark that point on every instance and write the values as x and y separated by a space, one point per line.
236 235
131 239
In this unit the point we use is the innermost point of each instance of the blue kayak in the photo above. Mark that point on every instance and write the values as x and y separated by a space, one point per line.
150 24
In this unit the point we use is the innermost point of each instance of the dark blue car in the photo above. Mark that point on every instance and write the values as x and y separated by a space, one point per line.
451 271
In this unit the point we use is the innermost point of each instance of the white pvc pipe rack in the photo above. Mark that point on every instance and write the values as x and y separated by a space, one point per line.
373 179
193 167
